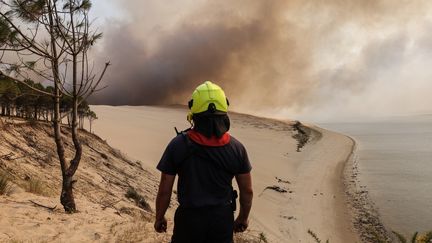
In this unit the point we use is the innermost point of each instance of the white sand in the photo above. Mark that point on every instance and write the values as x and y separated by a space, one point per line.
317 199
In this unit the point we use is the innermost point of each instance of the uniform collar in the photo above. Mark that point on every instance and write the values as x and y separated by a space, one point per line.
212 142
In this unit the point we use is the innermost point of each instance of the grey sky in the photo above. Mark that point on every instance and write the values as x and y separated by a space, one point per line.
330 59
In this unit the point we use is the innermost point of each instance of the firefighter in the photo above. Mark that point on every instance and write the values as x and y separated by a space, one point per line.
205 158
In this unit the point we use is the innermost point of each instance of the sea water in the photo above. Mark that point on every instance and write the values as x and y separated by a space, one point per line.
395 165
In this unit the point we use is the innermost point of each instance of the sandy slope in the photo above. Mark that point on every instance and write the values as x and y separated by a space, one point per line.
314 199
27 155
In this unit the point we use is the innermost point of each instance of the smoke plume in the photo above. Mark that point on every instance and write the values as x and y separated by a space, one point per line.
273 56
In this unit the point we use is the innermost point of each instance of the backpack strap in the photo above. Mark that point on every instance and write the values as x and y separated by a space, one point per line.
191 147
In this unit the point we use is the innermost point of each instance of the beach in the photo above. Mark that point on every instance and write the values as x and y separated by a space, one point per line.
393 168
314 200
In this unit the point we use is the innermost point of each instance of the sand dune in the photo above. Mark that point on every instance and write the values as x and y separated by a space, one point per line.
294 191
314 197
27 157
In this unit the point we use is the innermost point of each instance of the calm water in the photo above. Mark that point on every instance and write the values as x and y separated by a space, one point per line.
395 164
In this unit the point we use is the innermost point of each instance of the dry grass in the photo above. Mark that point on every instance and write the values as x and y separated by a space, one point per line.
37 187
22 241
135 233
139 199
137 214
15 241
5 185
250 237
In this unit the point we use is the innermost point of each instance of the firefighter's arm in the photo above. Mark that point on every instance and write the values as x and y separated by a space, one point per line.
162 201
244 182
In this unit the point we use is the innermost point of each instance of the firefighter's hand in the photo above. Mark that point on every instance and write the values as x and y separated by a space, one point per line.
240 225
160 225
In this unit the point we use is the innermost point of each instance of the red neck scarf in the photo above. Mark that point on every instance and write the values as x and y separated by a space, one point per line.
212 142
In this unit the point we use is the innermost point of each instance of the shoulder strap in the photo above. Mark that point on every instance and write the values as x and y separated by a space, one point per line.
191 148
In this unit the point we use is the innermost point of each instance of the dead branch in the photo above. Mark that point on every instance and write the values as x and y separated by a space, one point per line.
43 206
110 205
100 153
7 156
276 188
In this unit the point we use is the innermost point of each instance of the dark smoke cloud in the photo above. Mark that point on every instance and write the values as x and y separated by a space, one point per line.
263 53
239 53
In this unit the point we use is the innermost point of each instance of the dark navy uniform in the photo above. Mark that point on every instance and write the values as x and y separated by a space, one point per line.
206 169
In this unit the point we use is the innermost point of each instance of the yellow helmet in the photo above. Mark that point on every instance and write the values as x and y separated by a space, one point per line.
208 97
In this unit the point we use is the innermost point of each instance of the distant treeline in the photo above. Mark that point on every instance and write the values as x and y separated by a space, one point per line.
18 100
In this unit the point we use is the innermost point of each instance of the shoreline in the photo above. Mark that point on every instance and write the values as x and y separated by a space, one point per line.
365 215
321 202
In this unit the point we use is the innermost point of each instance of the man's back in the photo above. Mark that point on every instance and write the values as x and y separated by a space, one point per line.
205 172
206 159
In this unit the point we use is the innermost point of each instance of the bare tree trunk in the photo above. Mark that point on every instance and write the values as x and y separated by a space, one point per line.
35 112
81 122
8 110
67 192
66 197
